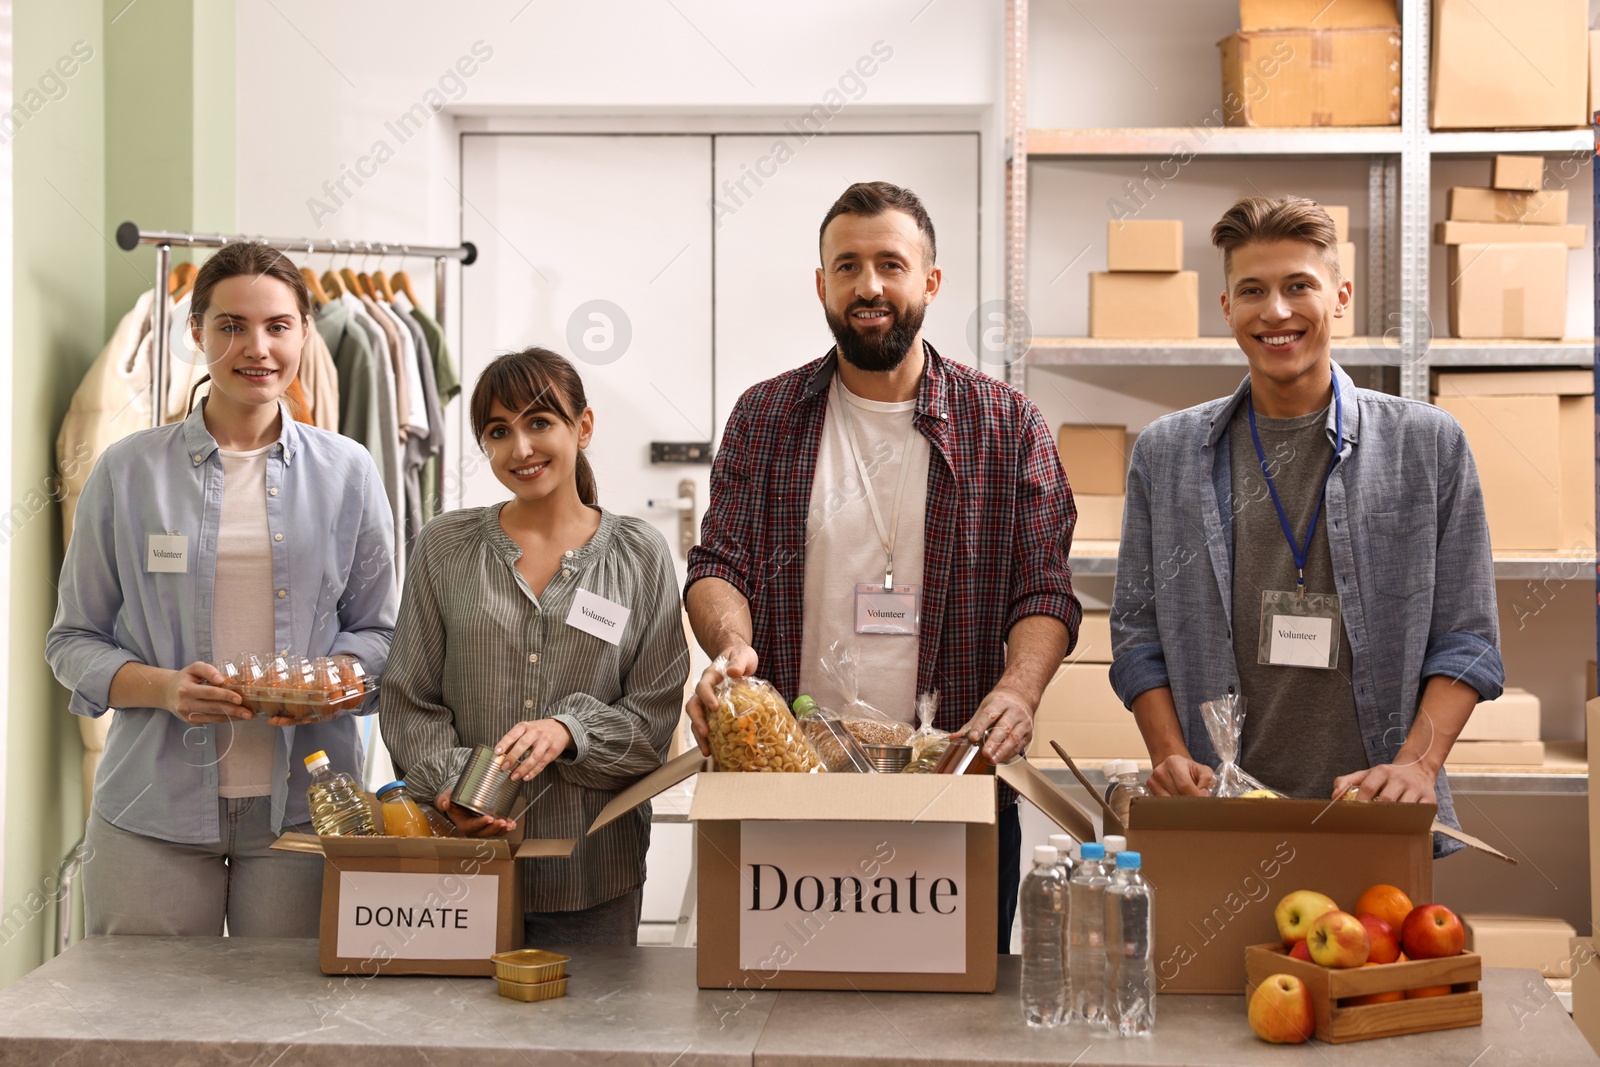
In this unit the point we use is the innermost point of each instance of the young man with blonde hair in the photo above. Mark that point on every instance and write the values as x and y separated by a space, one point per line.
1318 548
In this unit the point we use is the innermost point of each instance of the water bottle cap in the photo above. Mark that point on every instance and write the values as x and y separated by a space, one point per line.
1092 850
1063 844
1115 843
1127 861
397 784
1045 854
317 757
1116 767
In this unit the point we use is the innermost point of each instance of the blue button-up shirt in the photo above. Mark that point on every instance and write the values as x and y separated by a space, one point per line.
1411 564
334 593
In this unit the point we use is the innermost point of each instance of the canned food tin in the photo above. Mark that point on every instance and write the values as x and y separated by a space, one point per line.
486 786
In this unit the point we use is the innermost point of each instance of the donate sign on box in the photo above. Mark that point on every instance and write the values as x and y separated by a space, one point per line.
847 896
419 916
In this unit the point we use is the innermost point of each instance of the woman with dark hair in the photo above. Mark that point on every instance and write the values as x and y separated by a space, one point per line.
236 530
551 630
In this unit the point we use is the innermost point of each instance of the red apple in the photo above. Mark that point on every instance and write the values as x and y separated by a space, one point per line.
1296 912
1338 939
1280 1011
1432 931
1384 941
1301 951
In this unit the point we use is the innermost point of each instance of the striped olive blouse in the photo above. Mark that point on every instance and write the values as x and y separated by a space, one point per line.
475 652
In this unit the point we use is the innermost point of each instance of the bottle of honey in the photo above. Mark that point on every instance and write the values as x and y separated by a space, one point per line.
401 815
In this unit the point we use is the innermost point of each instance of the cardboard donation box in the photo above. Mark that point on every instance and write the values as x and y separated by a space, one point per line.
1095 458
419 905
1094 638
1508 290
1099 517
1543 207
1509 64
1522 941
1080 711
1312 77
841 881
1317 14
1521 173
1513 716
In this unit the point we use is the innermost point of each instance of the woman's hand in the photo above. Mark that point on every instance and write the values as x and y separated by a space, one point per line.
535 743
472 825
195 695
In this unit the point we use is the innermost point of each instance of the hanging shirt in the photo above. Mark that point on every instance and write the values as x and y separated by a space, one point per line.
385 422
843 547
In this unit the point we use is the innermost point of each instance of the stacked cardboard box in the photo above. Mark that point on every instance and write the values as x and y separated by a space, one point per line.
1543 944
1312 63
1500 732
1095 459
1508 254
1145 292
1503 64
1531 434
1080 712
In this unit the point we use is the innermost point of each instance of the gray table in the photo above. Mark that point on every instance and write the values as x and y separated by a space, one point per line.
172 1002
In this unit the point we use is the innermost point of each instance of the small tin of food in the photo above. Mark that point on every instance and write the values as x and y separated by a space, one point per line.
486 786
888 759
533 991
529 965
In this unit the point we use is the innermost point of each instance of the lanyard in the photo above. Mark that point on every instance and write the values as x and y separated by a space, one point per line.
888 536
1300 553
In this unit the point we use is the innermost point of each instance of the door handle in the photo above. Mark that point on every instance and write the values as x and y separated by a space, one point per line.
684 505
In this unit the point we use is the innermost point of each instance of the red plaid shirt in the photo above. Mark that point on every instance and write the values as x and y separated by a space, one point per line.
999 523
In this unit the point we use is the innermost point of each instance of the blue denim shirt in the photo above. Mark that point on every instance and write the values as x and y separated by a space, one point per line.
1411 563
333 570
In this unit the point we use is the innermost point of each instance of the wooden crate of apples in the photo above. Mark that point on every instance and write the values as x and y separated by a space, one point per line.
1388 968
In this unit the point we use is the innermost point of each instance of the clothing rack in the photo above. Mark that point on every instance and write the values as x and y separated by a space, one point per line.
130 236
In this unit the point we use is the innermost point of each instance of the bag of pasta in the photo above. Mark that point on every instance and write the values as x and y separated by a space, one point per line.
927 744
1224 719
868 725
752 730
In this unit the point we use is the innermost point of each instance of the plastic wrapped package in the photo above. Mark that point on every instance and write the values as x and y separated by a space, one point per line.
294 687
834 745
1224 719
751 729
869 725
927 743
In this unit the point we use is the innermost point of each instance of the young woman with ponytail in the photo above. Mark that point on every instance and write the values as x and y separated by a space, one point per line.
550 629
236 530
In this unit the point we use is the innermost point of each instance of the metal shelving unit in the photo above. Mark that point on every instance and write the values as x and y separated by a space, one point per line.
1399 227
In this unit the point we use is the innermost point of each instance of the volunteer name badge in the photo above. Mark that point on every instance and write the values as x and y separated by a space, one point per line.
1299 630
598 616
167 554
888 609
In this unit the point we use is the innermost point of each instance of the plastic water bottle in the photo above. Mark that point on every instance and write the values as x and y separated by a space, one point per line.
1087 945
1122 785
1043 912
338 806
1114 843
1130 983
1063 844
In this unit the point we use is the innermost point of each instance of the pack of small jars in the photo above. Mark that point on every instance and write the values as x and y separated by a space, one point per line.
296 687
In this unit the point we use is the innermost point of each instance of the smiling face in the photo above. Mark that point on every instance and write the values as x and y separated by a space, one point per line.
1281 301
252 333
534 452
875 284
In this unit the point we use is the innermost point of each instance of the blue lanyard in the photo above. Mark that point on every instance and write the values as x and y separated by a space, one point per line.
1300 553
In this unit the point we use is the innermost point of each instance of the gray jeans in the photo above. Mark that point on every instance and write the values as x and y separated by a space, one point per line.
133 884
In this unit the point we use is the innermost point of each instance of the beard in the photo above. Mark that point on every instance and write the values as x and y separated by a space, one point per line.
880 352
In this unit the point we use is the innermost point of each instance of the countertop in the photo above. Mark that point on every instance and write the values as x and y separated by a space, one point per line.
174 1002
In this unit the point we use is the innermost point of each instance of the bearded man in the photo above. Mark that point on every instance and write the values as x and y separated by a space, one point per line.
894 502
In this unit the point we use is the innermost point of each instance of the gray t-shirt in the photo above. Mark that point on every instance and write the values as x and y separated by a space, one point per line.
1300 725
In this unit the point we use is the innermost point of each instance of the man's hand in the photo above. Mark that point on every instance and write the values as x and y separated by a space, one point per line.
1401 783
741 664
1008 717
536 743
472 825
1180 776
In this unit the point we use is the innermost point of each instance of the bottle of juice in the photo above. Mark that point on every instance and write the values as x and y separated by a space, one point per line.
401 815
338 807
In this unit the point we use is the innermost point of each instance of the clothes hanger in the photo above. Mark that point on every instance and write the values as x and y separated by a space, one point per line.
317 292
402 282
181 280
380 282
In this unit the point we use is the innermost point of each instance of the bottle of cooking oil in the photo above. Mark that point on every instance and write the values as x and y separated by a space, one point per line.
338 807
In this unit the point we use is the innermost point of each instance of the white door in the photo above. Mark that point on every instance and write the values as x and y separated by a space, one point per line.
598 247
768 317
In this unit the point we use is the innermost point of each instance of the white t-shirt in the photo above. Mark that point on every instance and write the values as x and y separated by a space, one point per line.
843 548
241 620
